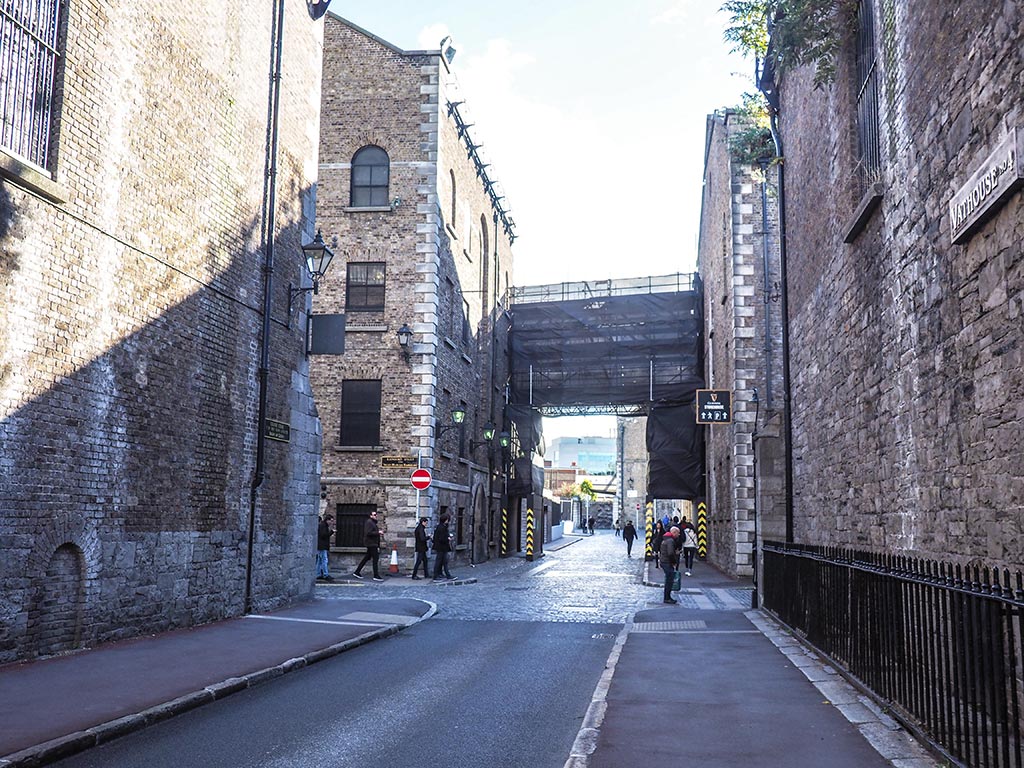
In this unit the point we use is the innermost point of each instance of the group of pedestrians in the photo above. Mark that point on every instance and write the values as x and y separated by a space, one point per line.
441 541
679 539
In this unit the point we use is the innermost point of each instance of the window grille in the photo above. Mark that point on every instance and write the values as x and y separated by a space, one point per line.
867 94
29 55
371 173
360 412
351 520
365 286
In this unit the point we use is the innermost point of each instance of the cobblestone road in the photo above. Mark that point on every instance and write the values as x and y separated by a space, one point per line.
588 580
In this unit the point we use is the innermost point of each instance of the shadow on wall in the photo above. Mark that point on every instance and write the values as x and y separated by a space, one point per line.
125 483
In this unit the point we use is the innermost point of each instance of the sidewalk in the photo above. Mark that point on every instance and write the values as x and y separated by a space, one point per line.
721 688
56 707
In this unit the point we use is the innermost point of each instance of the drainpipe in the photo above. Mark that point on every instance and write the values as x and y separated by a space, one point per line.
787 410
267 236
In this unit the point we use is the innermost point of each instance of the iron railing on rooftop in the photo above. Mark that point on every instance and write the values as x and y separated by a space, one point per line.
941 644
587 289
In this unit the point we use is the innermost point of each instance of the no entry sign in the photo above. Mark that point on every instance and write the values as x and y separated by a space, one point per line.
421 479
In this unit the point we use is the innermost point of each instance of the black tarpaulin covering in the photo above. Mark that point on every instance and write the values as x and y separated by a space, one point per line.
675 443
607 350
528 427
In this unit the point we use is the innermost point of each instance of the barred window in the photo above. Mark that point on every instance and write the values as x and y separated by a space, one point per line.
365 286
29 57
867 95
371 172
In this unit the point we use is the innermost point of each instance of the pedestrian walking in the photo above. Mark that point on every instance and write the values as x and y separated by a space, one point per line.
371 538
629 534
689 548
618 528
669 560
591 522
324 531
442 546
659 536
420 535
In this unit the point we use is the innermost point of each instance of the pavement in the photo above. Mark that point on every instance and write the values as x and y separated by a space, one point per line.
708 679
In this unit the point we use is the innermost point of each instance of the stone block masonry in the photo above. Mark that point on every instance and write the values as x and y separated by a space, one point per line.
132 295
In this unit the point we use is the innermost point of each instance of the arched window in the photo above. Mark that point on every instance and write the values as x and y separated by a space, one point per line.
371 171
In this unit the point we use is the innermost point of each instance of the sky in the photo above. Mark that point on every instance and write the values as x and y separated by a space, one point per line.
592 116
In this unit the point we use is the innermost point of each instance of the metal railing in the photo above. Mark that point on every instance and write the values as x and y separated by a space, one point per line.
941 644
595 289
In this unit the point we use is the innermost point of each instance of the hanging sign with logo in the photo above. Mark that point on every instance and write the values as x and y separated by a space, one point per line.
714 406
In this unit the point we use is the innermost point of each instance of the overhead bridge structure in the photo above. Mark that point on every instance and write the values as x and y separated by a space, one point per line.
628 347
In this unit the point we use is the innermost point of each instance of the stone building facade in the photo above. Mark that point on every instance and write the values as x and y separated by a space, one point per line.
906 284
423 245
738 260
131 291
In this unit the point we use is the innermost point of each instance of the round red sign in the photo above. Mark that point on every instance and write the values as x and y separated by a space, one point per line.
421 479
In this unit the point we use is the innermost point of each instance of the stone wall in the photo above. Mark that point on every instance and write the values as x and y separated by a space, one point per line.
908 351
375 93
132 295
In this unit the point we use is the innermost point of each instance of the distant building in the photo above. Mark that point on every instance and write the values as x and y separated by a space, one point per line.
132 160
595 455
424 246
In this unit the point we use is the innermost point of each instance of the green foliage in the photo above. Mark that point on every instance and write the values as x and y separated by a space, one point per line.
800 32
754 139
587 490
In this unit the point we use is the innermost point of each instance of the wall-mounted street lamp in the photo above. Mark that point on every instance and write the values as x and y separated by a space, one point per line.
318 258
488 437
405 343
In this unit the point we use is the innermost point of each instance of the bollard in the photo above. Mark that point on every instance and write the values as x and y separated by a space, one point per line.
504 533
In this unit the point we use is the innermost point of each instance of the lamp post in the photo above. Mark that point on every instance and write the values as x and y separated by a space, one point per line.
754 597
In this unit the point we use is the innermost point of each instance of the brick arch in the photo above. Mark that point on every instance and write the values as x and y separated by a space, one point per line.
57 611
365 372
480 532
63 567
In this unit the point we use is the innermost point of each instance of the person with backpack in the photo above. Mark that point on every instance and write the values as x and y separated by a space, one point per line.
669 560
629 534
420 534
442 546
689 548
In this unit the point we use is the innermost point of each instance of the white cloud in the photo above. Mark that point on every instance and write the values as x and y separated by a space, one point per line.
429 38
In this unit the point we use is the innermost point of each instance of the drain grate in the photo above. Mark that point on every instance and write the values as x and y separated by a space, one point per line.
668 626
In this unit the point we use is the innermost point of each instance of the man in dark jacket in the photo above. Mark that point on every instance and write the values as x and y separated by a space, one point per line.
421 548
669 558
629 534
371 538
442 546
323 544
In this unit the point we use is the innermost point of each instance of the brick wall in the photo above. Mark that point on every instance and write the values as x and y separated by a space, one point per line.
908 352
132 295
375 93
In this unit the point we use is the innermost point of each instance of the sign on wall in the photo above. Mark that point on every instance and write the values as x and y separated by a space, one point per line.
988 188
714 406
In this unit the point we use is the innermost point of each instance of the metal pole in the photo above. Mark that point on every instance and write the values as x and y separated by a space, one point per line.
766 267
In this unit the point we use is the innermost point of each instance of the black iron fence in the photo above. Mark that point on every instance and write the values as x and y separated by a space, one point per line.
941 643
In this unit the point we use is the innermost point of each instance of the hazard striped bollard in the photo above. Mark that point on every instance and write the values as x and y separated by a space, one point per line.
529 534
702 530
649 531
504 533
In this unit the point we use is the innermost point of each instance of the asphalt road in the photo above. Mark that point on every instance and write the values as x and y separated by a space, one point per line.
446 692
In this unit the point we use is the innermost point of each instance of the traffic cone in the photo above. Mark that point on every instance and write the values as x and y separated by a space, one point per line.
393 568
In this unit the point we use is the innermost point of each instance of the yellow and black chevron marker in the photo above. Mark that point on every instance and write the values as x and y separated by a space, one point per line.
529 534
649 531
504 533
702 530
